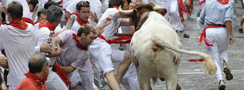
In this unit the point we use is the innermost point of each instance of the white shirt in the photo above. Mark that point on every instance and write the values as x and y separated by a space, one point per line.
45 1
41 36
1 47
111 29
19 46
71 53
71 8
75 27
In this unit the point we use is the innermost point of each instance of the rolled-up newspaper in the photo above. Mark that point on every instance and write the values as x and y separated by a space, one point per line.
71 22
37 8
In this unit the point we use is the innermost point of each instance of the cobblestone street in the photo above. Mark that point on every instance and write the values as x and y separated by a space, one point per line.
190 76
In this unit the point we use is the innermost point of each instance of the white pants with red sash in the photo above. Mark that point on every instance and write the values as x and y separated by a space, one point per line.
105 55
219 38
173 12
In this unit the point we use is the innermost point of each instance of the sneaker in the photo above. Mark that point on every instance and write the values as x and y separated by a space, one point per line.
186 36
228 74
221 85
240 30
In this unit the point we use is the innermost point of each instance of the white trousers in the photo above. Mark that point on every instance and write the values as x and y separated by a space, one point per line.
173 12
54 82
130 81
86 76
219 38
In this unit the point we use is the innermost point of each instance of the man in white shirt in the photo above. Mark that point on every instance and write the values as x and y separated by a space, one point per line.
82 14
17 40
43 31
75 53
175 12
104 53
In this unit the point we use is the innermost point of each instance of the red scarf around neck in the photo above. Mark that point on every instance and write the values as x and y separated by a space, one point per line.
27 20
36 78
223 1
115 6
78 43
45 23
19 23
81 22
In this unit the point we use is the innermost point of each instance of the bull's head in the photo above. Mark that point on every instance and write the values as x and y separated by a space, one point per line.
139 15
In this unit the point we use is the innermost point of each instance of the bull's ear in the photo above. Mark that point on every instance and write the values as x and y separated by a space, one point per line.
162 11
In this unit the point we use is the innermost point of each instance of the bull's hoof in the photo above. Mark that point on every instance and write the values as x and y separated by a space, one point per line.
221 85
228 74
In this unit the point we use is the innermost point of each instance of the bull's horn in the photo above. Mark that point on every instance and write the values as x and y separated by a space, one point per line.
126 12
156 7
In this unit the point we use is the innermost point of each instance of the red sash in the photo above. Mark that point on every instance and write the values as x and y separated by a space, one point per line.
119 40
28 20
45 23
78 42
223 1
19 23
203 34
200 3
181 9
36 78
242 14
60 2
62 75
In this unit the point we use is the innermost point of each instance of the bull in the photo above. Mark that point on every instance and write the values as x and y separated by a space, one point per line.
155 48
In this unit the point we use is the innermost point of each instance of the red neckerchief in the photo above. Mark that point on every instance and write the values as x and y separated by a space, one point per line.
181 9
32 11
4 22
60 2
36 78
119 40
62 75
115 6
78 43
203 34
45 23
223 1
64 10
81 22
19 23
28 20
200 3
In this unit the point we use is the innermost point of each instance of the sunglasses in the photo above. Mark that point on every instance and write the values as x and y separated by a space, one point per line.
84 3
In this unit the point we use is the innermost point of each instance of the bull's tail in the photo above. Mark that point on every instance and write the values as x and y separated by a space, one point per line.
208 64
